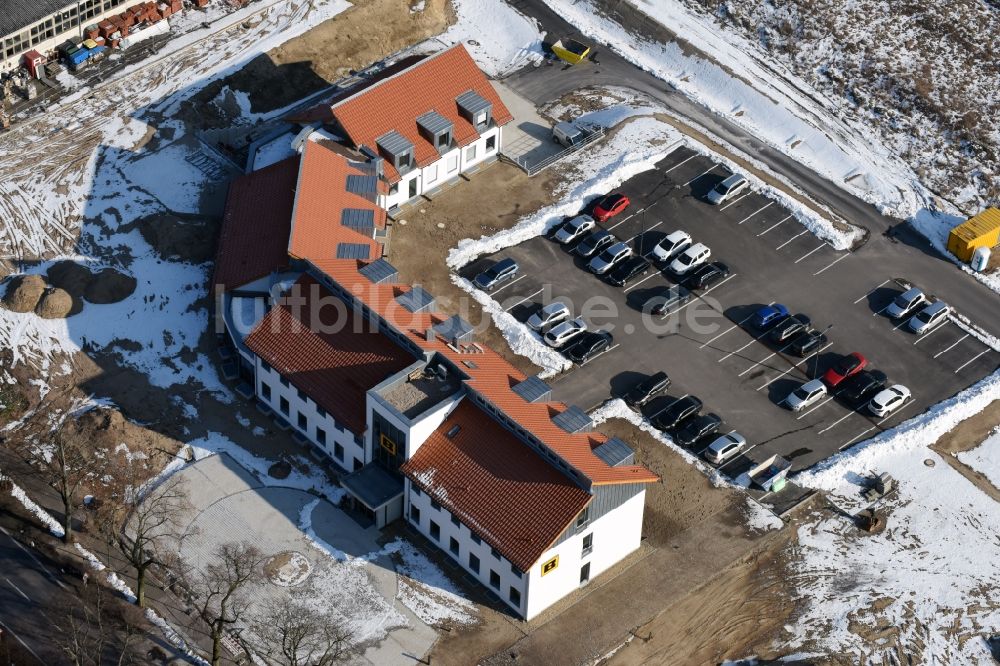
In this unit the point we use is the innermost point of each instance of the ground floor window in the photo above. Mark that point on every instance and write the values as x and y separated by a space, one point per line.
453 164
470 153
584 573
321 436
435 531
265 391
474 563
453 545
495 579
338 452
414 515
515 597
491 143
303 422
283 405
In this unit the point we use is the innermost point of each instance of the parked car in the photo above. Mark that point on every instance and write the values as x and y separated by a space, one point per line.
588 345
609 258
677 412
561 334
906 303
500 272
628 270
929 318
805 395
807 342
788 328
647 389
848 365
707 274
769 315
574 229
548 315
697 428
594 243
675 243
724 448
610 206
690 258
727 189
671 299
857 390
889 400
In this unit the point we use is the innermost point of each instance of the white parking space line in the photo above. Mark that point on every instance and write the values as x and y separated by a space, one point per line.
625 219
594 358
952 345
700 296
731 328
739 350
648 277
872 292
497 291
736 200
822 245
17 589
804 231
898 411
834 424
529 296
814 408
855 438
680 163
959 369
775 225
931 332
832 263
761 361
765 206
806 359
642 232
884 308
700 175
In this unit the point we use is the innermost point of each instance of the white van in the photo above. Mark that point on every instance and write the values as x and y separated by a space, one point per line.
572 134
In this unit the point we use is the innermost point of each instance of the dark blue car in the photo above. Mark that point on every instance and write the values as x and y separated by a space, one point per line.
769 315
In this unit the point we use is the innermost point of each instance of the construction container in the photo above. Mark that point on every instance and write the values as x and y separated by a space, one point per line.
34 61
983 230
91 32
106 28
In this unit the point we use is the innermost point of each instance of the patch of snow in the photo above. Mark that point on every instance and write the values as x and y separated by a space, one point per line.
305 525
935 227
418 7
274 151
759 518
499 38
51 523
242 420
985 458
427 591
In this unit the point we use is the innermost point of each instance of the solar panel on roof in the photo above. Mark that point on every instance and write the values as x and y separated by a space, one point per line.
416 299
379 271
533 389
434 123
361 184
353 251
454 329
359 219
615 452
573 420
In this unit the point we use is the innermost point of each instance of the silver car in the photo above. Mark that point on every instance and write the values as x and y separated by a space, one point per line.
805 395
607 260
727 189
929 318
575 228
725 447
553 313
564 332
906 303
693 256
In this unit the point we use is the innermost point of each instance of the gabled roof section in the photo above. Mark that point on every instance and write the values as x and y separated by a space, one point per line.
433 84
253 241
335 366
495 484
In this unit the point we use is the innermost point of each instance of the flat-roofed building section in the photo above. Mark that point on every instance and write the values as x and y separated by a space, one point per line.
422 389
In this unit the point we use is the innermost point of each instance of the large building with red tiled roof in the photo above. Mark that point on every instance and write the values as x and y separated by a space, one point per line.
428 425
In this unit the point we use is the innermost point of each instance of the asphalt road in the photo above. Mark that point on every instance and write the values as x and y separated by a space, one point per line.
708 350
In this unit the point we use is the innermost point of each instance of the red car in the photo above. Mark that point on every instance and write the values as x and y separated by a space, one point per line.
610 206
848 366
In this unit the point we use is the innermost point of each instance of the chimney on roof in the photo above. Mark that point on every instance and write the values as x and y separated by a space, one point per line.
429 335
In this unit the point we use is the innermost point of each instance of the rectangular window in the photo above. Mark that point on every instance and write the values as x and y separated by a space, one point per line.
338 452
435 531
265 391
496 553
515 596
453 545
514 570
431 173
302 396
283 405
475 538
588 544
495 579
491 143
470 153
358 464
455 521
481 118
321 412
585 573
264 366
284 382
435 505
474 563
321 436
416 491
453 164
584 516
394 189
303 422
414 515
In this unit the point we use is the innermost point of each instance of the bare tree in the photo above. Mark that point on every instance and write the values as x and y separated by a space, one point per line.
219 590
98 629
292 634
139 522
72 464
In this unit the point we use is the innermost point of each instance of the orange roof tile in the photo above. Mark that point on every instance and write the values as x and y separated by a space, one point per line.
432 84
495 484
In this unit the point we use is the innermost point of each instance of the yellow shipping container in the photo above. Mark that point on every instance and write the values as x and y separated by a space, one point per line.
983 230
90 44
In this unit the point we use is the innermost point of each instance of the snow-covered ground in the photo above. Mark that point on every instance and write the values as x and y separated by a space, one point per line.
985 458
499 38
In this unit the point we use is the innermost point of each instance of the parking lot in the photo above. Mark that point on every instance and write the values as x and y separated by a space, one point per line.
708 347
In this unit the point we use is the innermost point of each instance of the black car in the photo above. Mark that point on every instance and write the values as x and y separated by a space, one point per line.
628 270
679 411
697 428
594 243
647 389
707 274
857 390
788 329
501 271
671 298
589 345
807 342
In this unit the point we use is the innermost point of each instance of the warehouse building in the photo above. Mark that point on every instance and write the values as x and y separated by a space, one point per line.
42 25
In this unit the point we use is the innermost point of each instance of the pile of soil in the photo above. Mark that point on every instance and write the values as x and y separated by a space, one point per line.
71 277
109 286
174 238
24 292
107 428
55 304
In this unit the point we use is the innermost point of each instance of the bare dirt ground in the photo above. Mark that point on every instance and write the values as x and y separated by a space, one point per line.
968 435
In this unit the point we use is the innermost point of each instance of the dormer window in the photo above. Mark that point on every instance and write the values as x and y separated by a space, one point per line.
437 129
476 109
397 149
